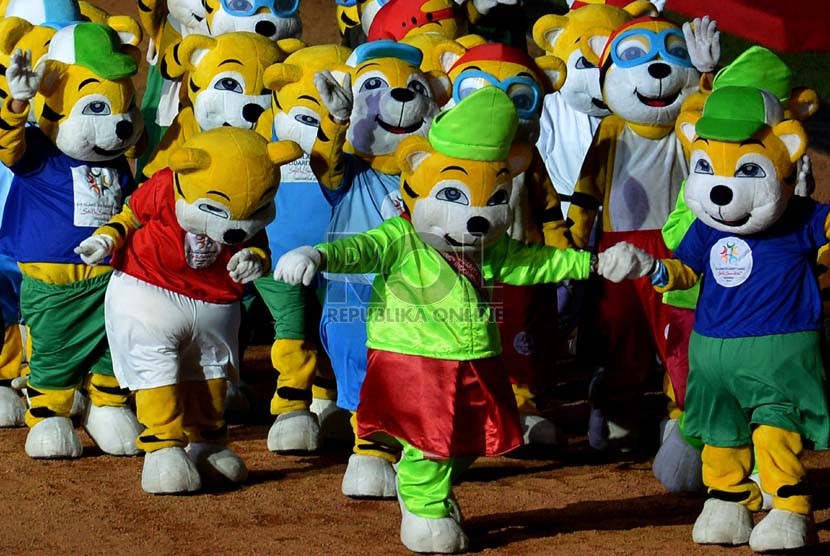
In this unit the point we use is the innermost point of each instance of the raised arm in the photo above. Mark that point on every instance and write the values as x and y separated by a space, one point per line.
327 152
23 83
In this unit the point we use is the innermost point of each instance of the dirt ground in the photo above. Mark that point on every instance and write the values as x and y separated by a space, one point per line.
543 504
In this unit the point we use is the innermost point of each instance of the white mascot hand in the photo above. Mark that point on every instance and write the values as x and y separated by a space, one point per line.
23 81
337 98
94 249
245 266
298 265
703 42
805 185
484 6
624 261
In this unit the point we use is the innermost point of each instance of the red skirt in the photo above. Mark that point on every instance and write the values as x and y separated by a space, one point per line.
444 408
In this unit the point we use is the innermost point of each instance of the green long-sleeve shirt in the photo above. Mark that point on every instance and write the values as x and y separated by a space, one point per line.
676 226
422 306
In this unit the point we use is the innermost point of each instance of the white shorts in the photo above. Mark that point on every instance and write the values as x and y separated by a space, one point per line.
158 337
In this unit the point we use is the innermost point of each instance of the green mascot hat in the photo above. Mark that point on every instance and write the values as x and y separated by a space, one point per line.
757 67
94 46
736 113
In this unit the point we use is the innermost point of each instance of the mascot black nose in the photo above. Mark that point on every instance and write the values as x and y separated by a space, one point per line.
251 112
659 70
478 225
721 195
402 95
233 236
265 28
124 130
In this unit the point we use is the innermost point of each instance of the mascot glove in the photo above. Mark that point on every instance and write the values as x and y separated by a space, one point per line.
245 266
337 98
622 261
703 42
94 249
484 6
23 81
805 185
298 265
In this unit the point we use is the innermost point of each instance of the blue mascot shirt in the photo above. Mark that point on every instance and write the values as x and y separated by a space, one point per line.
56 201
759 284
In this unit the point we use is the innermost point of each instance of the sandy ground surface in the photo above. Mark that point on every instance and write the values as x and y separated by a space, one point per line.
539 504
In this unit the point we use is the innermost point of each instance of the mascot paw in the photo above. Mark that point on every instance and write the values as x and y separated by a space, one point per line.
722 522
334 422
79 402
677 465
538 430
12 408
429 535
54 437
295 431
217 464
169 471
369 477
113 429
783 530
766 497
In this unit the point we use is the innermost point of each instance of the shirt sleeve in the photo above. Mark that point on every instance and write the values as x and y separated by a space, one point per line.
370 252
143 202
517 263
692 249
38 150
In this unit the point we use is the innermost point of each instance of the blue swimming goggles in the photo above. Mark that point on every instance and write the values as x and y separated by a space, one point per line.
245 8
525 93
638 46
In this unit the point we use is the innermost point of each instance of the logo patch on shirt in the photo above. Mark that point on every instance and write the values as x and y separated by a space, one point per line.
200 251
392 205
731 261
298 171
97 195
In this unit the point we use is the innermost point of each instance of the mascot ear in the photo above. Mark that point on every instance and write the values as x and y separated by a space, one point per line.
290 46
642 8
12 29
278 76
555 70
685 128
185 55
447 53
128 29
412 152
51 76
594 44
548 29
803 103
469 41
283 152
519 158
792 134
339 72
185 160
441 86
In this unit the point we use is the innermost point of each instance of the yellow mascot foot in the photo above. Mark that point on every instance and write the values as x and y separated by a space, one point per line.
722 522
216 464
12 408
295 431
53 438
369 477
783 530
113 429
430 535
169 471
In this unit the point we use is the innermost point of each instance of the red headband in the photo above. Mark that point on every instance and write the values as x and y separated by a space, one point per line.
399 17
497 52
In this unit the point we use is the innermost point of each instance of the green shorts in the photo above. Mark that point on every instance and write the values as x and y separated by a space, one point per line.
737 383
296 309
66 324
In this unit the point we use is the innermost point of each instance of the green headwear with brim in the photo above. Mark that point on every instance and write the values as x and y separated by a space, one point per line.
480 127
94 46
757 67
735 114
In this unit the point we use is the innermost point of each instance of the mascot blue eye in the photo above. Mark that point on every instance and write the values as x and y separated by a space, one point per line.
632 53
522 101
452 195
97 108
305 119
499 198
239 5
583 63
679 51
418 88
703 167
373 83
750 170
228 84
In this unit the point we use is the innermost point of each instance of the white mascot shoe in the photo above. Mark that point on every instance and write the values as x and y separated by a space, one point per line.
677 464
369 477
52 438
783 530
722 522
295 431
113 429
428 535
217 464
79 403
766 497
12 408
169 471
538 430
334 422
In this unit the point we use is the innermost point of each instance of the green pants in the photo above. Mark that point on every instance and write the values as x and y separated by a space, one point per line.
66 324
289 306
425 485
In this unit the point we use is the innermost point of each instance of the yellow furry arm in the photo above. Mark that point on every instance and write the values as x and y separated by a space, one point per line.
12 133
120 226
258 245
327 153
546 206
827 227
680 276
